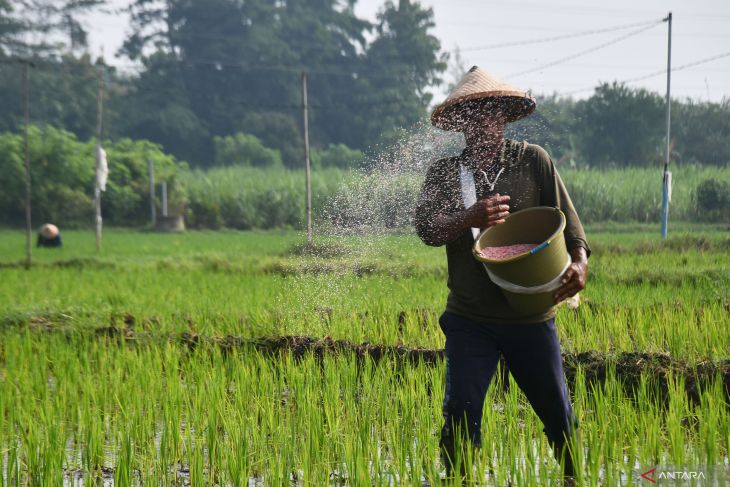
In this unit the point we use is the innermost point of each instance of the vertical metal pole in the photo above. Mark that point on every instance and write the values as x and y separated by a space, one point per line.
26 122
153 209
164 199
306 158
97 189
666 180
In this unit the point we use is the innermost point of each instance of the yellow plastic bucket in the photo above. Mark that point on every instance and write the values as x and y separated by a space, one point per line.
528 280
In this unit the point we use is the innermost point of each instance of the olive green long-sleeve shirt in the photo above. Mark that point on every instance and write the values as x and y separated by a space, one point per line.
530 179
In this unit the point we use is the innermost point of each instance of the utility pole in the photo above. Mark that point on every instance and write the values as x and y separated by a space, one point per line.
667 178
308 176
97 188
26 122
164 199
153 209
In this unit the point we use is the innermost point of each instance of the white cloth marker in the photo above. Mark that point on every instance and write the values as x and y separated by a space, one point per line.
468 192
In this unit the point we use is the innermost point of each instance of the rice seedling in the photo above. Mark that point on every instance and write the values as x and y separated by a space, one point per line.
140 366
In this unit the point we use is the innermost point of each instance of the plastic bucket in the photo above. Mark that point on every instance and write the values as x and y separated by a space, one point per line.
528 280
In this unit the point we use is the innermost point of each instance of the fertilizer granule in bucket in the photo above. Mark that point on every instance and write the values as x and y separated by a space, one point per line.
506 251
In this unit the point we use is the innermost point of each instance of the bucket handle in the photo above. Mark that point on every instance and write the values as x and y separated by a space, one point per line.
544 244
540 247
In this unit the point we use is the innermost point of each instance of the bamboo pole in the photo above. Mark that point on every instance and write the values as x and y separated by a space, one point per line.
308 176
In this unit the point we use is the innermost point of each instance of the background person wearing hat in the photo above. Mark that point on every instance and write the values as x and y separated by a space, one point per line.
49 236
478 323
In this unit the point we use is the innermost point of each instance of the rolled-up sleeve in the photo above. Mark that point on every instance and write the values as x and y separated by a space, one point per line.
432 201
554 193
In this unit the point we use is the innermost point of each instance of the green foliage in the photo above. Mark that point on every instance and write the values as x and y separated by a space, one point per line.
337 155
700 132
244 150
215 68
621 126
30 28
273 197
62 177
62 174
278 131
552 126
63 94
713 199
158 108
126 200
224 74
12 184
405 59
625 127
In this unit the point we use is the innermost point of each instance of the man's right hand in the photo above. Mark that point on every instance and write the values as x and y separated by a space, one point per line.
487 212
483 214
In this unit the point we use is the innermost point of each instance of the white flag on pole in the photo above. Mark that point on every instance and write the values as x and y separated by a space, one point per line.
669 186
102 169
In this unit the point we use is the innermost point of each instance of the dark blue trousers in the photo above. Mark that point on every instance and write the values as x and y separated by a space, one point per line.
532 354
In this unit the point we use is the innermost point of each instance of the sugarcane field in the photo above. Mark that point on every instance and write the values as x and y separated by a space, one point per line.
364 243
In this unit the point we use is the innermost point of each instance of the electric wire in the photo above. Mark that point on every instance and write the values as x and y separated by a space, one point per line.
555 38
318 46
585 51
361 73
657 73
358 74
680 67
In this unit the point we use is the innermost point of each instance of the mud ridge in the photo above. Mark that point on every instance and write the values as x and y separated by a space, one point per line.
631 368
595 367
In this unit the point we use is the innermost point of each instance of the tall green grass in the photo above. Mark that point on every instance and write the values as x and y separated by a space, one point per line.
635 195
246 198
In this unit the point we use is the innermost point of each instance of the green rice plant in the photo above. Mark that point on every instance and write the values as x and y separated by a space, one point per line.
679 421
122 363
712 417
631 306
311 418
123 471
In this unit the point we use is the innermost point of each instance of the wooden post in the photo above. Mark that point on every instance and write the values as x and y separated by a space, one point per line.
164 198
97 189
308 176
153 209
667 176
26 122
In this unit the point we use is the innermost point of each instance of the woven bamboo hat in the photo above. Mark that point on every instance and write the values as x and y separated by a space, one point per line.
49 230
479 90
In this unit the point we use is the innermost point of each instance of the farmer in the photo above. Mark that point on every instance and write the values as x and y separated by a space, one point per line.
49 236
478 323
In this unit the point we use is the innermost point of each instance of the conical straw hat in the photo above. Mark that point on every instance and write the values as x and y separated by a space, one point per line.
478 84
49 230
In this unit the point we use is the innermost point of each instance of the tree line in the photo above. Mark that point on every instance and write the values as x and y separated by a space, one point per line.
248 197
620 126
219 83
218 68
